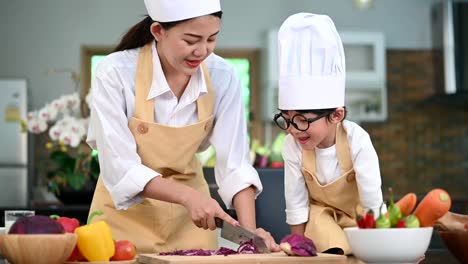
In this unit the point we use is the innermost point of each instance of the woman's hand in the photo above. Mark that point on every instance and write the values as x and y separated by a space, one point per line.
269 240
203 210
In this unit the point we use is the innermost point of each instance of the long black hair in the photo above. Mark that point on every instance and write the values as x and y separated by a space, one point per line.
140 34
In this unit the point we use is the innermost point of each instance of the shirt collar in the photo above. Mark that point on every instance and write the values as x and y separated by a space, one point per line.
159 86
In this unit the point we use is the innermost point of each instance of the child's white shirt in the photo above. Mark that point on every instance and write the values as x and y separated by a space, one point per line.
366 166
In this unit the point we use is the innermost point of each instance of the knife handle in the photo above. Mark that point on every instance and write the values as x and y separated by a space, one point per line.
219 222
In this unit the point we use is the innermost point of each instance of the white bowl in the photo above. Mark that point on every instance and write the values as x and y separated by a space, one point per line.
389 245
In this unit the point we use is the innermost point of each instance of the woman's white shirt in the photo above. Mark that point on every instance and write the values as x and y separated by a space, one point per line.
112 105
366 166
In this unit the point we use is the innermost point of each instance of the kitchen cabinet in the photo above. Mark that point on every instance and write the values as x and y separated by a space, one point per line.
366 91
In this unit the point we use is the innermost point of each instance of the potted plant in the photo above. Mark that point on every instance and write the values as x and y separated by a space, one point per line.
72 168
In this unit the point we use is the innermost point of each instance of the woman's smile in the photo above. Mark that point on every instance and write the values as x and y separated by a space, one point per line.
193 63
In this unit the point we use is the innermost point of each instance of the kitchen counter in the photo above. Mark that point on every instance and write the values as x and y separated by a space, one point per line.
270 211
432 257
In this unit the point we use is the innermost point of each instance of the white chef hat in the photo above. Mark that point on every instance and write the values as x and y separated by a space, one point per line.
311 63
175 10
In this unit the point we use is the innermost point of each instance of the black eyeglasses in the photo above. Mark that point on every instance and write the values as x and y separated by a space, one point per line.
299 121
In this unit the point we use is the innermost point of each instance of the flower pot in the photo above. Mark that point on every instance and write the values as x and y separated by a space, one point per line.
69 196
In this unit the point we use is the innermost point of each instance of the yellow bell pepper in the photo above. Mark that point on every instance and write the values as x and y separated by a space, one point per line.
95 240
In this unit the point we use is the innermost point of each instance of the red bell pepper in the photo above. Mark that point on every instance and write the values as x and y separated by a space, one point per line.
69 225
369 219
401 223
361 221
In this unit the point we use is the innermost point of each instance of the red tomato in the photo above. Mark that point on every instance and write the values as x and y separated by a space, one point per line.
276 164
124 250
76 255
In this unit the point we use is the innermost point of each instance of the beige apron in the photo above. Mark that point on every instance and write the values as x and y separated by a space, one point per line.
153 225
332 206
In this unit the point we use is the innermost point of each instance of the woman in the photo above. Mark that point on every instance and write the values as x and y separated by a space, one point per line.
331 166
158 100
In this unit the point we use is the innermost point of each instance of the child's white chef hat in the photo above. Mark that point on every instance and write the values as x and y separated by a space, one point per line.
175 10
311 63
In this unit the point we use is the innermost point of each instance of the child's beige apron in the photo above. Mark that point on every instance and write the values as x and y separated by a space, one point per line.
153 225
332 206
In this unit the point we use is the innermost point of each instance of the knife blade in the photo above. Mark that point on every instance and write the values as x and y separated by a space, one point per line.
240 235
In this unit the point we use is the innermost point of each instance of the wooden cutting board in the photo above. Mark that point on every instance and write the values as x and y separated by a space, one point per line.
242 259
133 261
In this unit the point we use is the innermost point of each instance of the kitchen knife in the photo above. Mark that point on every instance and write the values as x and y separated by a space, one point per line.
239 235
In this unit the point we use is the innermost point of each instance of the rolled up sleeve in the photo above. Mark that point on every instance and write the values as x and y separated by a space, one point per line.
232 181
233 170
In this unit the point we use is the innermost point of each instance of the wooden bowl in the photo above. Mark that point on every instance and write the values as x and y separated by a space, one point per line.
37 249
457 243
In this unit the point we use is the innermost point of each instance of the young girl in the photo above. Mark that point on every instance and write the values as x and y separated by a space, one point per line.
331 166
155 102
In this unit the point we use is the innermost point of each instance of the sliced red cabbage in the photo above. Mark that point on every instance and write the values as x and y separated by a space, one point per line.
245 248
225 251
188 252
298 245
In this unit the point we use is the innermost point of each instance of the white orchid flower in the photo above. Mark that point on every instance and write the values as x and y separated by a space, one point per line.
68 137
72 102
55 132
48 113
58 106
35 123
69 130
63 115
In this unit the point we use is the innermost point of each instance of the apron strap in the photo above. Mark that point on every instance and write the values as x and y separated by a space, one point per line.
308 160
342 149
205 103
144 109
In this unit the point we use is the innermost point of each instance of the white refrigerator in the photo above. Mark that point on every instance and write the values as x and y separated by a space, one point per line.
14 184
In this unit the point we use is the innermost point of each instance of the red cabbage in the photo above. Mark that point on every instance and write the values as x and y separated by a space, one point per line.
188 252
225 251
247 247
298 245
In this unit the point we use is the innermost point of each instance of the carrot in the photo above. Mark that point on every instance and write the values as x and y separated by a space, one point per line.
407 203
433 206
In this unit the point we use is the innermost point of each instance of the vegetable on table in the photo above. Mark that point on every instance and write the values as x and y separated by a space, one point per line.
401 223
407 203
369 219
69 225
394 210
124 250
246 247
298 245
383 221
361 222
411 221
95 240
36 224
433 206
